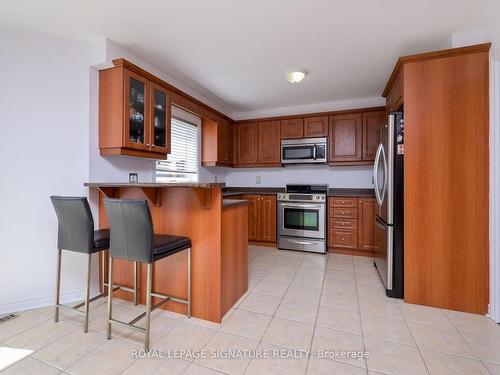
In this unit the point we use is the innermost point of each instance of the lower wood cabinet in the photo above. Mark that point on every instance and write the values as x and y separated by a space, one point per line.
261 218
351 225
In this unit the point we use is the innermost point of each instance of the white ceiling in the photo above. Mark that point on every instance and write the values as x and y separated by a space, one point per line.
236 52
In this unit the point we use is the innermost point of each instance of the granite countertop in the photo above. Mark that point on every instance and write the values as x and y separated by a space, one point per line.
351 192
233 191
157 184
233 202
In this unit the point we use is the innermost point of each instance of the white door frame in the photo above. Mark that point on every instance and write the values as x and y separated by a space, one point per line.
494 229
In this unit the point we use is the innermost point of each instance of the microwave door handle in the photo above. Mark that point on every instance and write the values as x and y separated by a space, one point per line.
314 152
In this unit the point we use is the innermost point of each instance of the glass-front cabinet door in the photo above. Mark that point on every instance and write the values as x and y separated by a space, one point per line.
160 120
136 111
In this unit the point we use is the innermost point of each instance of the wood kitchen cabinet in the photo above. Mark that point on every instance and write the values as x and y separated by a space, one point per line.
372 124
257 144
366 224
316 127
351 225
292 128
134 114
261 218
246 146
269 143
216 143
345 138
354 137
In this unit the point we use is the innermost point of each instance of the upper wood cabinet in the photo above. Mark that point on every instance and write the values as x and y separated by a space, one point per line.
372 123
394 92
269 142
354 137
216 143
246 146
257 144
292 128
134 115
345 138
316 127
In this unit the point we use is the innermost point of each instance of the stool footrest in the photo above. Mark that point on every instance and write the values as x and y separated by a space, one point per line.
120 287
165 299
129 325
158 295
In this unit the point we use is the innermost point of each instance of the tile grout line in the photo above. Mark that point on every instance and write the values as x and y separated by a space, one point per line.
317 313
415 341
274 314
467 342
359 314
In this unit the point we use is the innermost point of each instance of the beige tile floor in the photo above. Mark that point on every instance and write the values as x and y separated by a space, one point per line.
296 301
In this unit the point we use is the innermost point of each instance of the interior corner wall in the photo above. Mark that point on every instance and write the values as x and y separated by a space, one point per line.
44 118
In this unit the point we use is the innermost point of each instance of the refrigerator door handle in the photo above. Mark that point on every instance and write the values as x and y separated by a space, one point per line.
375 174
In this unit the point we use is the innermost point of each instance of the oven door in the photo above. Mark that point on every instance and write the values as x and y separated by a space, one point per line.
301 219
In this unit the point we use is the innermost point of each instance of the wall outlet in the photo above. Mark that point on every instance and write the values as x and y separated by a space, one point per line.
133 178
257 180
215 178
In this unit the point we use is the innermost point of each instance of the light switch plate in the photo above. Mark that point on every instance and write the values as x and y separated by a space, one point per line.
133 178
257 180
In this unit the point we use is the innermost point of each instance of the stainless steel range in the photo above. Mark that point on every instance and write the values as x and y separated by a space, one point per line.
302 218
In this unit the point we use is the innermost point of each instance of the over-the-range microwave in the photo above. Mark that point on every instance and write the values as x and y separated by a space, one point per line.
304 151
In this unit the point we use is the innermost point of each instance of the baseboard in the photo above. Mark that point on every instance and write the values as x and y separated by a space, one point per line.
43 301
356 252
265 244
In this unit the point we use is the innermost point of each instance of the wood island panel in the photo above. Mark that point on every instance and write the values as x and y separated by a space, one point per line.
187 212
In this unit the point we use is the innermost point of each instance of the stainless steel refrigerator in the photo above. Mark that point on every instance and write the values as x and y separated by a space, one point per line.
388 172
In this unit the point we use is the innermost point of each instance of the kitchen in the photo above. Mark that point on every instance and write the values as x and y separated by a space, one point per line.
309 219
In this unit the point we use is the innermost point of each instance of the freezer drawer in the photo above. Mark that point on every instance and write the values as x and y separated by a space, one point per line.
383 252
302 244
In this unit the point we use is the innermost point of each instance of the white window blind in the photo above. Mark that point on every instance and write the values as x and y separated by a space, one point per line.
182 162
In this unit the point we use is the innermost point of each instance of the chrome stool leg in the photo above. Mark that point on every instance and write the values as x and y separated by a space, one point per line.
189 282
58 285
149 287
136 275
87 296
110 297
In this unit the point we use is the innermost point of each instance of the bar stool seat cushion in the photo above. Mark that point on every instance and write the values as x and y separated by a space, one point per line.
101 239
165 245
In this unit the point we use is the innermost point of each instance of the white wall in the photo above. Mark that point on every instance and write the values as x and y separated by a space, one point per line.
44 117
351 177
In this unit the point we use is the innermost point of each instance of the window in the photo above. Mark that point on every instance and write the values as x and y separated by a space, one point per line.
182 162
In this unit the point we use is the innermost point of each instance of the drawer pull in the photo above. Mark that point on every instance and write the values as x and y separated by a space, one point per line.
343 238
343 213
343 223
343 202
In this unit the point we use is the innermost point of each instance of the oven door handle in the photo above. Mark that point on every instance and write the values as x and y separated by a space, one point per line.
302 242
301 205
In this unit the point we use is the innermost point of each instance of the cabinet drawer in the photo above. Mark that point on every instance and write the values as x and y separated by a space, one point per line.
344 202
339 223
341 212
346 239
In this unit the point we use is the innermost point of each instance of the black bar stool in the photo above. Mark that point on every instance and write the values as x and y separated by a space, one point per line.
76 233
133 238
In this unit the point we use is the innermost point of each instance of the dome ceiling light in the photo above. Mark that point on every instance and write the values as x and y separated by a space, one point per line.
296 75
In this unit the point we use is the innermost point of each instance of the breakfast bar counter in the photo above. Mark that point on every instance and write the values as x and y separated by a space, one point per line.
218 232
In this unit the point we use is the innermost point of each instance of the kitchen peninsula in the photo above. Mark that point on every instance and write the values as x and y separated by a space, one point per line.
218 232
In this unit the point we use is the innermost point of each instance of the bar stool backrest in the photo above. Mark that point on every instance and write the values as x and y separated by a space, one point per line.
131 229
76 225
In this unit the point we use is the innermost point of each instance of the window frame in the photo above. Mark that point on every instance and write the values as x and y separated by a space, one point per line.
192 119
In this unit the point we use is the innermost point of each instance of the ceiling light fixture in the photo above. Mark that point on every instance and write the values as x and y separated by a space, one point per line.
295 75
